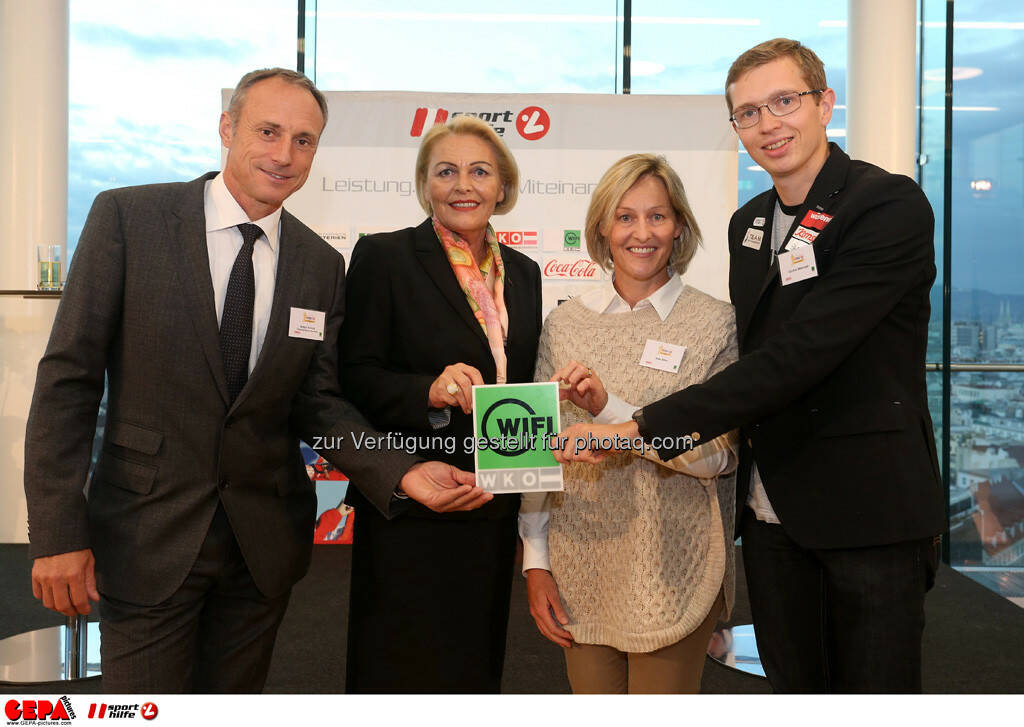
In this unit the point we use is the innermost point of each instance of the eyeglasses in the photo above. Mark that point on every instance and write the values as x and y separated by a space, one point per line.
747 116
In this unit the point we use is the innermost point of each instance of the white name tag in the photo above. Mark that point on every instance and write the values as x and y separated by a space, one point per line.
307 324
797 265
753 238
662 356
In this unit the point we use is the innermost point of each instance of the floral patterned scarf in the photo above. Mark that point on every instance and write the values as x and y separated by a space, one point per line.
477 283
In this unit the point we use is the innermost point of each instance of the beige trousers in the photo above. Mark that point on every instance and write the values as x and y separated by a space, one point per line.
673 669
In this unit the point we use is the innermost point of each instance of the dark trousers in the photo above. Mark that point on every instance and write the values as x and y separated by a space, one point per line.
215 634
429 604
845 620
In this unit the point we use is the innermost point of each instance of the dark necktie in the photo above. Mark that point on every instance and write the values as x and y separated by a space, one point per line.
236 319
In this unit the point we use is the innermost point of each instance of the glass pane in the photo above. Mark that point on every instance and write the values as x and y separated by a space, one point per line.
145 81
988 182
529 47
932 140
686 46
987 479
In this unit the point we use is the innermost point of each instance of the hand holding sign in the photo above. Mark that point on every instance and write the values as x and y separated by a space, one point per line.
454 387
585 388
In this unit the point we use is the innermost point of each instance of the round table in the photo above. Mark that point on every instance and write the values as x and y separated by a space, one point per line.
57 653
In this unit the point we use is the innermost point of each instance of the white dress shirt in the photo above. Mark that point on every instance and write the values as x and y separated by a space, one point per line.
757 499
534 513
224 240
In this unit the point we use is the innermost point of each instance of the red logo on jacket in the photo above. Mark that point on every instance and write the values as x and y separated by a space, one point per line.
817 220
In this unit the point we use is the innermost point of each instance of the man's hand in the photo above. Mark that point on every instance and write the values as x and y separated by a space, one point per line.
593 442
542 594
443 488
66 582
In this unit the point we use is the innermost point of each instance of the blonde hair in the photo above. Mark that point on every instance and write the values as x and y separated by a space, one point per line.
508 170
618 180
812 70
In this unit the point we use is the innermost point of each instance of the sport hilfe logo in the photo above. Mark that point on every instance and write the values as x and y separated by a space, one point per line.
532 123
147 710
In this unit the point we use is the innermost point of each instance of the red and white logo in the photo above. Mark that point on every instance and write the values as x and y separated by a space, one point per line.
101 710
817 220
571 269
37 710
532 123
518 238
423 116
802 233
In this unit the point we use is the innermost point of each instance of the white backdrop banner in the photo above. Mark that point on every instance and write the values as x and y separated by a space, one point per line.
362 179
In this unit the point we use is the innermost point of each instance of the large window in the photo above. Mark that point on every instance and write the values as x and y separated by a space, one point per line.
986 427
460 46
687 47
144 87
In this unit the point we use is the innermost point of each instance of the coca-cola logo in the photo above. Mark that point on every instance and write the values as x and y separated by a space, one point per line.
572 269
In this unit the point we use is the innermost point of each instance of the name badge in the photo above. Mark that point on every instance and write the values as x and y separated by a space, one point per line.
753 238
662 356
307 324
797 265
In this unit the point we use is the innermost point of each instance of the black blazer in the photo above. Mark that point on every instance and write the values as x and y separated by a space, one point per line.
407 319
829 390
138 310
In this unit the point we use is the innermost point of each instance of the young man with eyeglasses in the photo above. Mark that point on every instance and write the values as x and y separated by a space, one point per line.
838 490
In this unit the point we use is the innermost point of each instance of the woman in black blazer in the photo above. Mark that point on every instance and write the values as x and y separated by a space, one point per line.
431 311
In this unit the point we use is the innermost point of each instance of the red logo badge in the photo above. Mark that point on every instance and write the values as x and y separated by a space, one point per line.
572 269
419 121
32 710
532 123
817 220
518 238
148 711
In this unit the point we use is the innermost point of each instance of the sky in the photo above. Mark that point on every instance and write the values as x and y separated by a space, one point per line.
145 82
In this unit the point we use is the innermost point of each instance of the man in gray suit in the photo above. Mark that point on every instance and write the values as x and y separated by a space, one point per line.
213 314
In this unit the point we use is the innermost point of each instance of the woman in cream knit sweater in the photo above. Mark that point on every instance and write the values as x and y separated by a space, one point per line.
630 567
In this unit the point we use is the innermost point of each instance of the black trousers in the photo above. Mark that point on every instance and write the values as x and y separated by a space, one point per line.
215 634
429 604
846 620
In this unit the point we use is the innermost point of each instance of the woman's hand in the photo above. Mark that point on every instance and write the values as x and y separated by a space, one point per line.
542 594
585 387
591 443
454 387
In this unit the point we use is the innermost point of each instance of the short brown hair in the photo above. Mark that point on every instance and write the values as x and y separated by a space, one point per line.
508 170
251 78
618 180
812 70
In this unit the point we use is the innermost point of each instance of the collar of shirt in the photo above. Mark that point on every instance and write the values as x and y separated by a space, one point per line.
223 212
606 299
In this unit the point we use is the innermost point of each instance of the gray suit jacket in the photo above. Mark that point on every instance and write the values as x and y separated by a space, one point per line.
138 308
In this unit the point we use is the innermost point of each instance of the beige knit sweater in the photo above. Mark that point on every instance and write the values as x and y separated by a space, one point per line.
640 551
